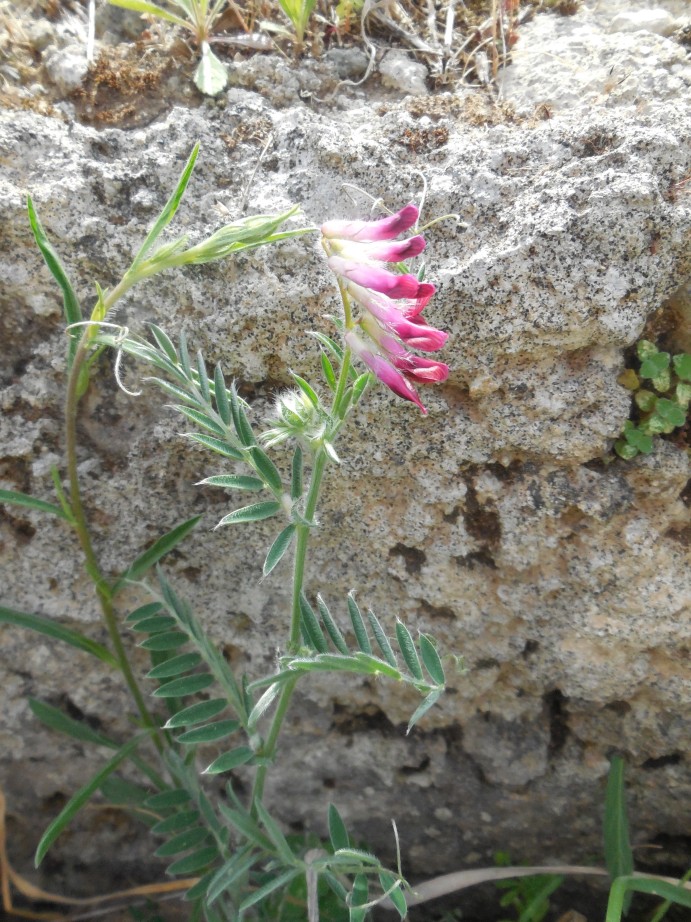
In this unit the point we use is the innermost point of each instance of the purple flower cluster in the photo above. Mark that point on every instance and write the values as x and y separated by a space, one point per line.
392 302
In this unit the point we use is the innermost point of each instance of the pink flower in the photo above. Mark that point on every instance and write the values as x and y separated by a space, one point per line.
384 229
392 302
395 286
386 373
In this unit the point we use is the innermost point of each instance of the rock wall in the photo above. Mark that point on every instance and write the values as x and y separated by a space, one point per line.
501 522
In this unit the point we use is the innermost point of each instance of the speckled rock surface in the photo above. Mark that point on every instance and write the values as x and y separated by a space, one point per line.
494 523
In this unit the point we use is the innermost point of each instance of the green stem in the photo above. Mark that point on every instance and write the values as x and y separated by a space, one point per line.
103 589
303 532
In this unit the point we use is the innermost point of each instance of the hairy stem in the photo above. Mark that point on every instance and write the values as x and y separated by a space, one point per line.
103 589
300 558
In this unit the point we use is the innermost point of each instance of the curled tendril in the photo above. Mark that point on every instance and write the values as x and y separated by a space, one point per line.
122 334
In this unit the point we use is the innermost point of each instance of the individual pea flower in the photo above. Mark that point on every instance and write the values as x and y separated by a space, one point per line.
392 302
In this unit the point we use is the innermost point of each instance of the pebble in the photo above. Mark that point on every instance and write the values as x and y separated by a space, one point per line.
402 73
661 22
350 63
67 67
41 35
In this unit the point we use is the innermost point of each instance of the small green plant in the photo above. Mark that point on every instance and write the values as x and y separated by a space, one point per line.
199 18
298 12
619 858
662 405
527 896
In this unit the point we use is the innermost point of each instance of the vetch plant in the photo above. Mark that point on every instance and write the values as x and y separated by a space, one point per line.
198 17
662 402
231 854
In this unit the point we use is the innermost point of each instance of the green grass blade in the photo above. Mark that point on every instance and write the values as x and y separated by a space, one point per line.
618 854
623 887
77 801
51 628
57 720
158 549
71 306
664 908
150 9
23 499
171 206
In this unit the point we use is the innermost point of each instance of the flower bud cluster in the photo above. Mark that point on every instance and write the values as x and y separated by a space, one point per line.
295 416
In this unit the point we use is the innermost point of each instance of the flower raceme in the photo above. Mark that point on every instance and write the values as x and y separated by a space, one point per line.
392 302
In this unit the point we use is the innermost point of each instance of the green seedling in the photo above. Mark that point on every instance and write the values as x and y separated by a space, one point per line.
198 17
661 394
